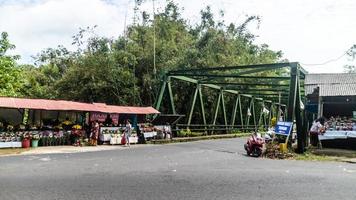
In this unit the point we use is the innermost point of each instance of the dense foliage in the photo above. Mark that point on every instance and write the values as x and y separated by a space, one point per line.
122 70
10 75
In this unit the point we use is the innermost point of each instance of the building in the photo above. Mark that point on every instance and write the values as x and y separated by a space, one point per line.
331 94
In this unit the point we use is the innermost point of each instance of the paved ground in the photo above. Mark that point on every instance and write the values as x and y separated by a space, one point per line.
215 169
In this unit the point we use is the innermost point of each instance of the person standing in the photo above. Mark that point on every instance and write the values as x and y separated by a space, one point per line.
128 131
95 133
167 131
315 130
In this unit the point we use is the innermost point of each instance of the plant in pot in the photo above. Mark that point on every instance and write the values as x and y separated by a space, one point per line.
76 135
25 140
34 140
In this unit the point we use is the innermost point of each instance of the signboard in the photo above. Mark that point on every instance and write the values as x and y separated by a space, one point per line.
102 116
284 128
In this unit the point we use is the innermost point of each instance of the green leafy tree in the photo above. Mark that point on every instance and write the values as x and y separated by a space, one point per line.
10 74
96 77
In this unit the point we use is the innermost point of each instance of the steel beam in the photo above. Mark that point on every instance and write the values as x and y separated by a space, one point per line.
240 109
242 90
170 93
246 84
217 109
234 110
222 68
161 93
292 93
223 106
193 105
254 112
229 76
202 110
186 79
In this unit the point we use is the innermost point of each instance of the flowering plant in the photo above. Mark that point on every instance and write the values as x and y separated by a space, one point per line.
77 127
35 136
25 136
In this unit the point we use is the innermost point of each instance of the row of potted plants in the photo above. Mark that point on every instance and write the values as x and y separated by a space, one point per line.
39 138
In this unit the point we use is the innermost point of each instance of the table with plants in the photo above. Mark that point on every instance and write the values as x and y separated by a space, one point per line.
113 135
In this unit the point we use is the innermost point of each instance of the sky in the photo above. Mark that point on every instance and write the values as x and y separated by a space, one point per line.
314 33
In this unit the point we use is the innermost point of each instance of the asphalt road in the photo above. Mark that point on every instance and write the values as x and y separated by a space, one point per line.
215 169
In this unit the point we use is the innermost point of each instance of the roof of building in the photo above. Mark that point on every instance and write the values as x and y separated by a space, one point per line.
337 84
61 105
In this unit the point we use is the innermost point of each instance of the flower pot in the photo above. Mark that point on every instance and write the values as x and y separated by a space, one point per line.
34 143
26 143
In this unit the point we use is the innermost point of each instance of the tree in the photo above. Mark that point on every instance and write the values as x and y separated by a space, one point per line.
96 77
10 74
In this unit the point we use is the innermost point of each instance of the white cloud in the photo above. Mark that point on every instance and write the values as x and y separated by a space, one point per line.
306 31
50 23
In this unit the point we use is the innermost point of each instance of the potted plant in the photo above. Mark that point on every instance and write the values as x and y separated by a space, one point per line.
34 141
25 140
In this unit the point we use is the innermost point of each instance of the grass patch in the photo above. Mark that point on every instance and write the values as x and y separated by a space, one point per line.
309 156
12 151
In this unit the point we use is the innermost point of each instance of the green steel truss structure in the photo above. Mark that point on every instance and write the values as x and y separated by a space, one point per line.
256 97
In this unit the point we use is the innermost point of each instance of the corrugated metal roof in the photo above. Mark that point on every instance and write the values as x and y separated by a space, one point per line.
337 90
331 84
60 105
330 78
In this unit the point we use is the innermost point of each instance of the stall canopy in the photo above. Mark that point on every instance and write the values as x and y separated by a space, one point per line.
61 105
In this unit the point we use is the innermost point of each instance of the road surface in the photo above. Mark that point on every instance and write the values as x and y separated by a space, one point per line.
216 169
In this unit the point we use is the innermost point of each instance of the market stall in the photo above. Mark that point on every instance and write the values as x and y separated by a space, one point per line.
333 97
56 122
113 135
340 132
161 127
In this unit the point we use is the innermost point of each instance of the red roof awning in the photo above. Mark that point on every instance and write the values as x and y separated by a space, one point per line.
61 105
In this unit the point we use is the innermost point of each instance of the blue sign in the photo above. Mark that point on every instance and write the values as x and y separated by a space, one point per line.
284 128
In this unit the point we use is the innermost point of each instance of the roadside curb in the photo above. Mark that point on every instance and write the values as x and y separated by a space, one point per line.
351 161
192 139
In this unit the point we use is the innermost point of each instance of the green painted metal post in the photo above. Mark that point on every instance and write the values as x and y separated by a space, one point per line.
223 107
234 111
161 93
254 113
260 119
193 105
294 106
241 116
170 93
202 110
248 116
301 134
270 115
292 93
217 109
